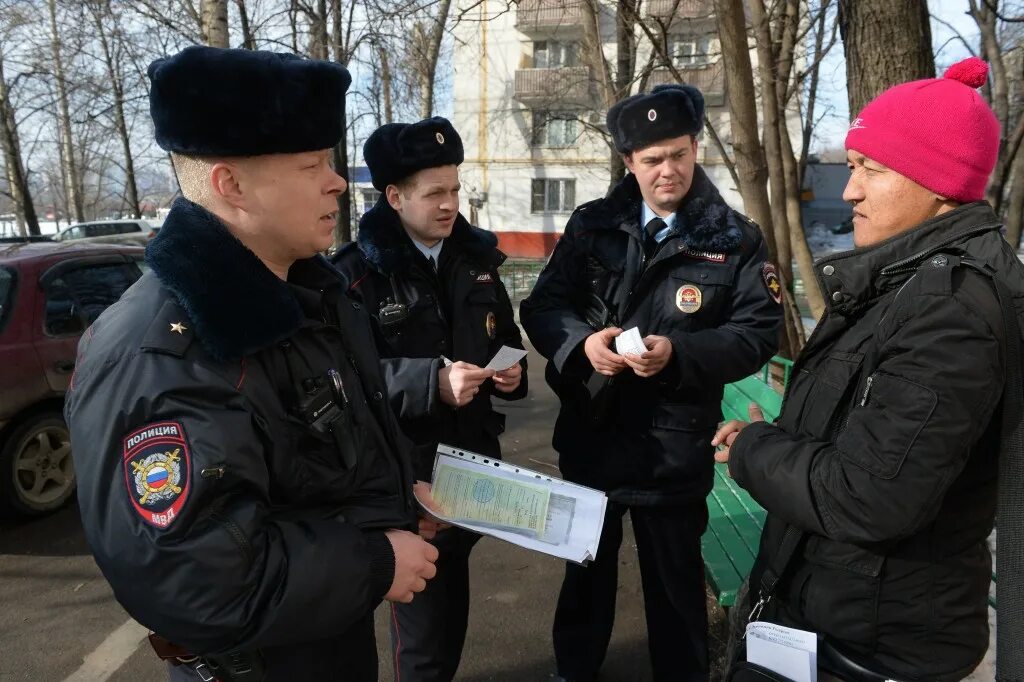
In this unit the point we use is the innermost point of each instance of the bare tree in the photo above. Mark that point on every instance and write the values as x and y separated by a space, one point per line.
995 46
72 176
430 35
16 176
109 36
886 43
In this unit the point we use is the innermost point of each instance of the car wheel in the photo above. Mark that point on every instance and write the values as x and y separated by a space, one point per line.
37 474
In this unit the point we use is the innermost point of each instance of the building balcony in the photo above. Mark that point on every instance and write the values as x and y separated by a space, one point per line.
548 16
684 9
708 78
558 87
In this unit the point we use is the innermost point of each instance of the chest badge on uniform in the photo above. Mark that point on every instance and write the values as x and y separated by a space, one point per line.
688 298
492 326
484 277
771 281
156 468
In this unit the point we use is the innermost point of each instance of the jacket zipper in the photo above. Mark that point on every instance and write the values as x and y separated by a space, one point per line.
910 262
867 391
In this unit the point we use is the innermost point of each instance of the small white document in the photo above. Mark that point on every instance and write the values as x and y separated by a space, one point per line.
630 342
786 651
502 360
505 358
517 505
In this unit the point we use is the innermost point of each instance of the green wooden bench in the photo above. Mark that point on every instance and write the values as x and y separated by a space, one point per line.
735 520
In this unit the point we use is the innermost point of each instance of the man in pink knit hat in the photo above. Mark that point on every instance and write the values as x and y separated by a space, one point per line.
880 475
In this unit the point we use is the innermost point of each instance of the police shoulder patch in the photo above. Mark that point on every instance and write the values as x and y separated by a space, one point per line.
771 281
156 469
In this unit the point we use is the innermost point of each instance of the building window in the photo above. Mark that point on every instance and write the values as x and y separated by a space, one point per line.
551 54
555 129
370 197
690 50
552 196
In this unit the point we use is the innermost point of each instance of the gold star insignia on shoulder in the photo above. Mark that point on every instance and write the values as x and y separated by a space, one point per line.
178 327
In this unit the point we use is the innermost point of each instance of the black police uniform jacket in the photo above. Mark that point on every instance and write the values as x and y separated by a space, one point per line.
648 441
462 312
885 453
221 518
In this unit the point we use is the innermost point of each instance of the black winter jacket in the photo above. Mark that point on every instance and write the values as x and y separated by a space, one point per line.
221 518
648 441
462 312
885 453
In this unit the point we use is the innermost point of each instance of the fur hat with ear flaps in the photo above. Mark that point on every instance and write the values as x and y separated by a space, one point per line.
208 101
395 151
668 111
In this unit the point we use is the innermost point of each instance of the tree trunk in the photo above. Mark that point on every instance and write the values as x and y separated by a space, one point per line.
17 178
248 39
788 86
773 116
886 43
385 84
215 22
751 166
73 180
428 72
1015 173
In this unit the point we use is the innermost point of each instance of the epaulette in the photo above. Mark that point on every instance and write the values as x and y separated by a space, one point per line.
170 332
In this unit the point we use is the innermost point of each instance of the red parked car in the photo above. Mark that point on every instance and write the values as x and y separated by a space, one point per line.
50 292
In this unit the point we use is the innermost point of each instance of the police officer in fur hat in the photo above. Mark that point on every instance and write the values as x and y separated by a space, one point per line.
663 253
430 279
243 483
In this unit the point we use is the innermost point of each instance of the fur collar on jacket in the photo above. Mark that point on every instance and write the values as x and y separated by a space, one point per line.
705 222
388 249
238 306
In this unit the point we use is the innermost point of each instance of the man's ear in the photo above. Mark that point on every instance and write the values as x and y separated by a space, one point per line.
225 183
628 160
394 196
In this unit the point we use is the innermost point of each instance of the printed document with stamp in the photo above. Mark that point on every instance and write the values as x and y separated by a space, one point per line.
518 505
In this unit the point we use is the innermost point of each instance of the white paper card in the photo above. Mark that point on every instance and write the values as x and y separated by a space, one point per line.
786 651
631 342
446 361
505 358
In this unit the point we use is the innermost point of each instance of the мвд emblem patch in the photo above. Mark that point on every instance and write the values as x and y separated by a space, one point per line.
156 469
688 298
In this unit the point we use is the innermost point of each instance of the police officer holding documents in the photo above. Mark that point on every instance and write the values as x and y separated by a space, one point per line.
430 279
242 480
665 254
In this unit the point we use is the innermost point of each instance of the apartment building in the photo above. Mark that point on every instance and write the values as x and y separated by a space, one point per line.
526 102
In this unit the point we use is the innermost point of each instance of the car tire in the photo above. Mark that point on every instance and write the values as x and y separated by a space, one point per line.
37 474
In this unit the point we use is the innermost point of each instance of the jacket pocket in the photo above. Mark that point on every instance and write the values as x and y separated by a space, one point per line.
699 290
890 413
839 596
682 442
833 387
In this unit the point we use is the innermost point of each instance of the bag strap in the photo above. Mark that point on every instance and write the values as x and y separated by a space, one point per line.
1010 514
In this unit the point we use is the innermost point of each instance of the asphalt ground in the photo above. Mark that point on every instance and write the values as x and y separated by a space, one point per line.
60 621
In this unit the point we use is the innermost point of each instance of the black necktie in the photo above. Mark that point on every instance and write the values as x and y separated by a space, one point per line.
655 226
433 264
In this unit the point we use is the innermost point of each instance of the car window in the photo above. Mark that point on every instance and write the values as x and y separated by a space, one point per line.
71 233
76 299
6 294
128 228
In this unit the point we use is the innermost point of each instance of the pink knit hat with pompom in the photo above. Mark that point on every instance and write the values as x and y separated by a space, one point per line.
938 132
